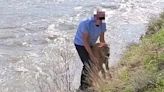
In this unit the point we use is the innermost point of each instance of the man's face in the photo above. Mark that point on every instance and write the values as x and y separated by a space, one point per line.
99 17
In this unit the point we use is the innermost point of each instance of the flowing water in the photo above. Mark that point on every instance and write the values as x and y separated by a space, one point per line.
37 53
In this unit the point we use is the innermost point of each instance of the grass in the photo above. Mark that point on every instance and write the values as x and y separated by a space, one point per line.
142 67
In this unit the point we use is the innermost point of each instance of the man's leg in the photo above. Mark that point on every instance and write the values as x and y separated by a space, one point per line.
85 78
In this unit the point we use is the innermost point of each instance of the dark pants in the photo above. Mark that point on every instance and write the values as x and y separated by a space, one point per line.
85 76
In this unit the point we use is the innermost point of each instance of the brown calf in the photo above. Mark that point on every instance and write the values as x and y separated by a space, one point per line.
102 54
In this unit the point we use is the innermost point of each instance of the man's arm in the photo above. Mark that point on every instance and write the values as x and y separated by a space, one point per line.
87 46
86 43
102 38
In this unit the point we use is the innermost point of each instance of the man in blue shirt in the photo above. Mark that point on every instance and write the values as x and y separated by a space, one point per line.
86 36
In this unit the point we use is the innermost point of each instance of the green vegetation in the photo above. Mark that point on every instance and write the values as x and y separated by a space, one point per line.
142 67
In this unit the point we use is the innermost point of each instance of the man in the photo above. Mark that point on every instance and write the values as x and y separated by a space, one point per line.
86 36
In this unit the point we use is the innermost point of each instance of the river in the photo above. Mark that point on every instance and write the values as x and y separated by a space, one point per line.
36 39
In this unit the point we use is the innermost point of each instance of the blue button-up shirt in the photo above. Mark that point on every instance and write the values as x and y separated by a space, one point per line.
89 26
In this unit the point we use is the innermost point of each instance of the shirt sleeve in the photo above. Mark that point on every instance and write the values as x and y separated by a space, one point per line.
83 27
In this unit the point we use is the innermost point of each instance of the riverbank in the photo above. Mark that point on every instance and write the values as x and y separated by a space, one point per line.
141 69
36 39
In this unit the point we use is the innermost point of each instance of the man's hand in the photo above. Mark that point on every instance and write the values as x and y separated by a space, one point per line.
102 44
95 63
94 60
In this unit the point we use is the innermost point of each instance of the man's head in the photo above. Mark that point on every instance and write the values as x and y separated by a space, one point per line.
99 16
105 52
